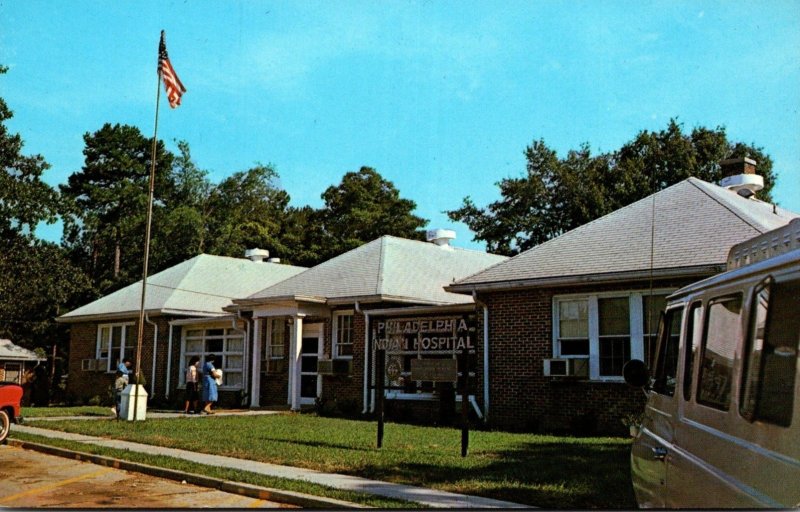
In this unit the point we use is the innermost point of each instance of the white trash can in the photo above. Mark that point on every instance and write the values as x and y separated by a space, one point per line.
133 394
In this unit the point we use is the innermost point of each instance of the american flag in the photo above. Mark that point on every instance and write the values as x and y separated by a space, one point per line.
172 84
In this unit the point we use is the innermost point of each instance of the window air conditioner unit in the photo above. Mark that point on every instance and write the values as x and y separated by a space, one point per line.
334 366
89 365
325 367
567 367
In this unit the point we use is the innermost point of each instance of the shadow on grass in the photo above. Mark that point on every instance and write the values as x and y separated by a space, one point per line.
549 474
317 444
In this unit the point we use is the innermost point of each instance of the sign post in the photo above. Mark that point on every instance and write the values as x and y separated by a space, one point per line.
380 363
423 351
464 403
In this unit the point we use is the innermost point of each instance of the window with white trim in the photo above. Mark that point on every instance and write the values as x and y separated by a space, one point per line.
614 336
273 351
115 343
652 306
607 328
573 328
226 343
342 335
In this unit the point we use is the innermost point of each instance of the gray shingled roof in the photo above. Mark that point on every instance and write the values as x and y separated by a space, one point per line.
202 285
696 223
388 268
11 352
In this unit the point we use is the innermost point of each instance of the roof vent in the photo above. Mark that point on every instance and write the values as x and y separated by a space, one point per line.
739 175
441 237
274 260
256 254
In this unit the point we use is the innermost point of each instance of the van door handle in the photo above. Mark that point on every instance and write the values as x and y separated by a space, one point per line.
659 453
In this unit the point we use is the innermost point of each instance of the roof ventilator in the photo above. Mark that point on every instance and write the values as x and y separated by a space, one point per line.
256 255
441 237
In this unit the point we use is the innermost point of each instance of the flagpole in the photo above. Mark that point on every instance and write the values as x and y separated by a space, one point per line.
140 337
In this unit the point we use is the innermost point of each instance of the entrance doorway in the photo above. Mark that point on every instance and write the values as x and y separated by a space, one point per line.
310 351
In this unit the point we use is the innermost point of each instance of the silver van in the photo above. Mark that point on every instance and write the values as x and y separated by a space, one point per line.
721 428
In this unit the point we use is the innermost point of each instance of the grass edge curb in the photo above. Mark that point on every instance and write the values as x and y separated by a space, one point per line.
252 491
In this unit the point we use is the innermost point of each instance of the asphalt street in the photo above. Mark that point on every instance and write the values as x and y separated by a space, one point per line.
29 479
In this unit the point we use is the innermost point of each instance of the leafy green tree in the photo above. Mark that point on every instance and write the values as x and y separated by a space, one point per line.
246 211
180 227
363 207
25 200
105 230
37 280
37 283
556 194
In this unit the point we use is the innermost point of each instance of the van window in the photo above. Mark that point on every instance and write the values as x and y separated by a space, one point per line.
666 368
771 353
693 326
719 346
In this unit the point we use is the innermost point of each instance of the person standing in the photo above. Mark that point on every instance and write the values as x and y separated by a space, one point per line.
210 392
119 386
192 377
125 368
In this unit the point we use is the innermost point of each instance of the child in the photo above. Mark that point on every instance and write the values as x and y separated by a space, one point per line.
119 386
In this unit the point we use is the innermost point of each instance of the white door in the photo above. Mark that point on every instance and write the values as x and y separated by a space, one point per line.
310 351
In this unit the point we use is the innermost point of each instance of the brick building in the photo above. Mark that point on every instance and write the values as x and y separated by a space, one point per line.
564 316
313 331
546 332
184 305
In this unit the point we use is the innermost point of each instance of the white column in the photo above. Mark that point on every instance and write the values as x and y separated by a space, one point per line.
255 380
294 367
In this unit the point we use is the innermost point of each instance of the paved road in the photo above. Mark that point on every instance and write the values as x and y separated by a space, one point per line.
30 479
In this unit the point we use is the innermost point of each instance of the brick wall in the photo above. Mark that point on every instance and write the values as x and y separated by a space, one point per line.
84 385
521 397
346 393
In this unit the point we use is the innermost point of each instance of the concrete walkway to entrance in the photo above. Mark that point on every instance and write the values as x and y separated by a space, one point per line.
427 497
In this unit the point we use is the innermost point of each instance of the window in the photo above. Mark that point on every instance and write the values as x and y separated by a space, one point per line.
666 364
719 345
693 326
771 354
343 334
13 373
274 349
607 328
652 306
573 327
115 342
227 344
615 335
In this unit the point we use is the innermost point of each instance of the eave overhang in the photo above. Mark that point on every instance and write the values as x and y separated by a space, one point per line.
695 272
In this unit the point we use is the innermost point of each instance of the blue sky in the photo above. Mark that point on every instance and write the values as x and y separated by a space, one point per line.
440 97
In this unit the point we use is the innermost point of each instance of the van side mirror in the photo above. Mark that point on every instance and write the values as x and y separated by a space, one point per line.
635 373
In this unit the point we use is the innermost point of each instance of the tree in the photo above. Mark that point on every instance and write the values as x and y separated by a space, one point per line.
37 283
246 211
105 229
363 207
36 279
25 200
556 195
180 227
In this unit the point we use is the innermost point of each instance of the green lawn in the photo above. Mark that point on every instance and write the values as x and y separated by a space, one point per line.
50 412
544 471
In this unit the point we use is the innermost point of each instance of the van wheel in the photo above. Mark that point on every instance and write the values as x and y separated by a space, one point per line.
5 425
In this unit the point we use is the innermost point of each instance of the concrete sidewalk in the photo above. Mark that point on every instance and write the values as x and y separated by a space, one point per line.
428 497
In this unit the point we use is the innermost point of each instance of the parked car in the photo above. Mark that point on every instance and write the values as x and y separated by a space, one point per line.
721 427
10 397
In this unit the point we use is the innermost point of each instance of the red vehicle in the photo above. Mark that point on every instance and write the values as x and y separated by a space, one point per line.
10 397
